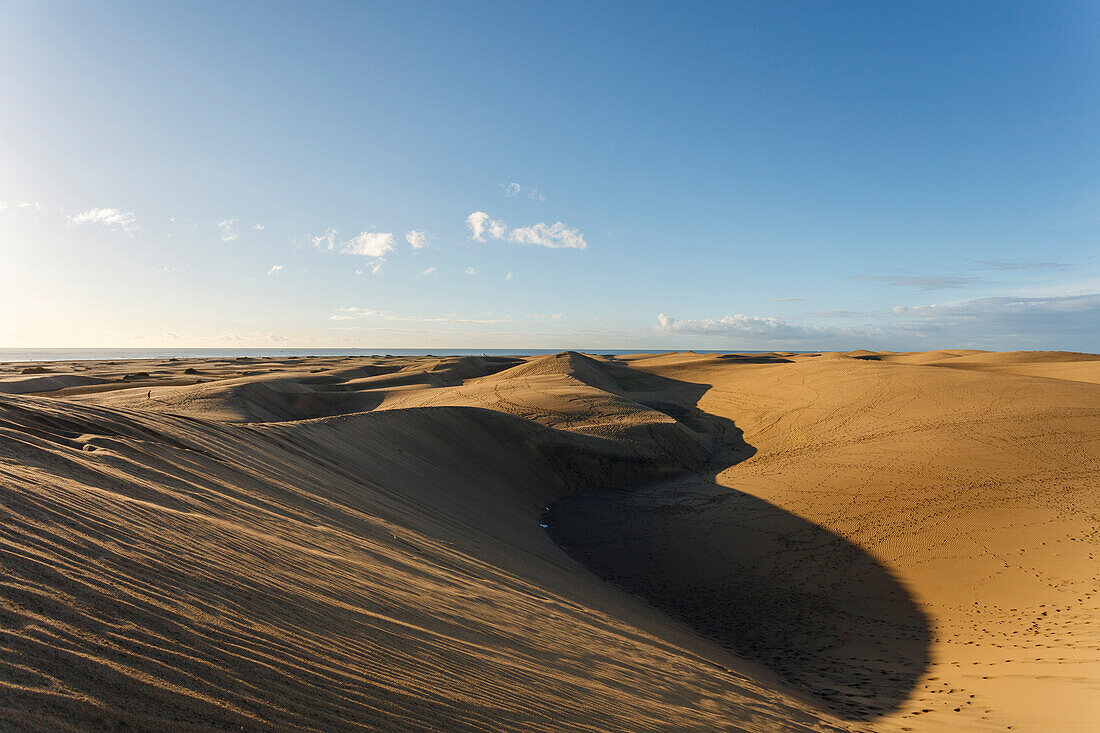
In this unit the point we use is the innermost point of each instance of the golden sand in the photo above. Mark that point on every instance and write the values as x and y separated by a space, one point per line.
863 541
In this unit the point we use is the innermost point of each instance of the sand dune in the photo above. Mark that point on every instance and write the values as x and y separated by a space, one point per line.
1050 364
810 542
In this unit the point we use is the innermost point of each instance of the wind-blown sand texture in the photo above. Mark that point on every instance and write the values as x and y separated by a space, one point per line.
862 541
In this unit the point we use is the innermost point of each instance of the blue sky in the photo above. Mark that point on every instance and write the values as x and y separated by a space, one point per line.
727 175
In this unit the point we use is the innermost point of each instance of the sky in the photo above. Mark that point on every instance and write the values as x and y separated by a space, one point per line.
742 176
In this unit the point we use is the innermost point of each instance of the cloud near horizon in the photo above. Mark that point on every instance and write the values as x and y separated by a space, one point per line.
552 236
990 323
1002 309
355 313
772 330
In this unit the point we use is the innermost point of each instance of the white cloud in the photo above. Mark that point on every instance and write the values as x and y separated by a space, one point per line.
553 236
741 325
416 239
110 218
473 270
275 270
373 245
258 227
325 242
481 224
429 271
551 317
227 229
369 244
508 276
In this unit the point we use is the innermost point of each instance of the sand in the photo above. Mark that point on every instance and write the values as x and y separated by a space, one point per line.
861 541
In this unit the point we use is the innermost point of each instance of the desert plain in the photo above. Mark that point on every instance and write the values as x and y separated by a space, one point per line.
574 542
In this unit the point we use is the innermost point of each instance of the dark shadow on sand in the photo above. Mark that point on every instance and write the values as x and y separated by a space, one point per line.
761 581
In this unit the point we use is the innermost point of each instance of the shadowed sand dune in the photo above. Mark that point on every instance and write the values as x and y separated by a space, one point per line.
809 542
769 585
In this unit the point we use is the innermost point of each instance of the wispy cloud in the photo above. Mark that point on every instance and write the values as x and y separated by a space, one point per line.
553 236
514 190
1008 307
227 230
473 270
325 242
416 239
427 272
374 268
837 314
258 227
23 207
125 221
788 300
921 283
356 313
1004 265
255 336
550 317
275 270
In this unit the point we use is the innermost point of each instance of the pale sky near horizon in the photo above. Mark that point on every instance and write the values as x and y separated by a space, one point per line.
577 175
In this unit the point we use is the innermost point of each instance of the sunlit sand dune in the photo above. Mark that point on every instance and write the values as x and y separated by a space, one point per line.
736 542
